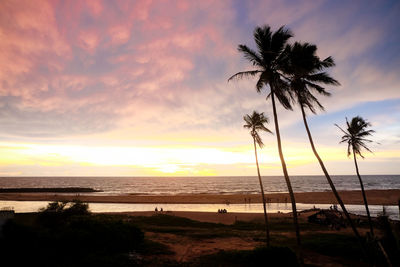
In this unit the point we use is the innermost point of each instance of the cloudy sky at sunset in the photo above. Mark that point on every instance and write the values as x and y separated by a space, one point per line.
140 87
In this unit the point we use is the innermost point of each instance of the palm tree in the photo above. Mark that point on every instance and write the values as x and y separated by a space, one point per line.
267 61
355 137
305 70
255 123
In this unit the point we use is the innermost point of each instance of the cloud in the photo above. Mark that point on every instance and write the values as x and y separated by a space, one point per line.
155 72
94 63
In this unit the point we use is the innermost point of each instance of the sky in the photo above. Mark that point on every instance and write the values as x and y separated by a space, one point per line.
139 88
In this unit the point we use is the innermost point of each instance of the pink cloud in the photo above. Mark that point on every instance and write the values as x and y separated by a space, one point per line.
135 60
88 40
119 34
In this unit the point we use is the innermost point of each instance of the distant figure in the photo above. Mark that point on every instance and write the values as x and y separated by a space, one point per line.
156 209
161 210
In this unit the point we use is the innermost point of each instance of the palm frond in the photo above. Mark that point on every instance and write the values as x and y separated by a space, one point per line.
279 39
281 90
306 99
328 62
268 60
322 77
304 70
354 135
346 134
258 139
255 122
251 55
263 80
244 74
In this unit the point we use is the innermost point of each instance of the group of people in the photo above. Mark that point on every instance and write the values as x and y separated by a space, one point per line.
156 209
247 200
222 211
333 207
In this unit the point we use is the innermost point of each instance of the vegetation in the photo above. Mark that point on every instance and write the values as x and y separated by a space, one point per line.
123 240
306 74
273 256
255 123
68 235
268 61
355 137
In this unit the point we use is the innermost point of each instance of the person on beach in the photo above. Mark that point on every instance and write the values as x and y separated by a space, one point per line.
156 209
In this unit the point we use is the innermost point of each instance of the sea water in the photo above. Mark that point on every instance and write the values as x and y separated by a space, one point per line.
204 185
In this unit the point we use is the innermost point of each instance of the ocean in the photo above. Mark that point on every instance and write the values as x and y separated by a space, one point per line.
204 185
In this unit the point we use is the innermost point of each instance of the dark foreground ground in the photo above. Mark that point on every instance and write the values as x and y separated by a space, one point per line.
74 237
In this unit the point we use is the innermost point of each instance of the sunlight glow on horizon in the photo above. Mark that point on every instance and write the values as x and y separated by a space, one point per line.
162 160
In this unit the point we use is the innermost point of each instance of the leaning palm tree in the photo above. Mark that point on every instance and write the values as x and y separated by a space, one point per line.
255 122
306 73
355 137
267 61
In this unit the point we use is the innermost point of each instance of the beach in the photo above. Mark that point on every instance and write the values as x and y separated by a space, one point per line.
193 236
214 217
375 197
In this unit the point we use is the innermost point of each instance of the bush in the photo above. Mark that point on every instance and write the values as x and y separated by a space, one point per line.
57 213
76 240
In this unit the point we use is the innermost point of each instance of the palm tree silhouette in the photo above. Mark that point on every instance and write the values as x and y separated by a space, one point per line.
255 122
267 62
355 137
305 70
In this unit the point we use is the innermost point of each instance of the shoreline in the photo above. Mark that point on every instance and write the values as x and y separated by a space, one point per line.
375 197
213 217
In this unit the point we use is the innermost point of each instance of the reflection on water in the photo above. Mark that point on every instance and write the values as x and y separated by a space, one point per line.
33 206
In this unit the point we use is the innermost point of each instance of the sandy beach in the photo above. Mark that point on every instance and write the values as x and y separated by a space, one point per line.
214 217
375 197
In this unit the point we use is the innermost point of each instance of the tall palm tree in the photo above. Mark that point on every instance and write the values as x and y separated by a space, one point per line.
255 122
355 137
306 72
267 61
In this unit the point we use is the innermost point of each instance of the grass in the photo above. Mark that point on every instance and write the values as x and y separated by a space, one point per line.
118 240
273 256
333 244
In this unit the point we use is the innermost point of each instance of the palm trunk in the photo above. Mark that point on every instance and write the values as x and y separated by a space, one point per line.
369 216
262 194
364 196
339 200
285 173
